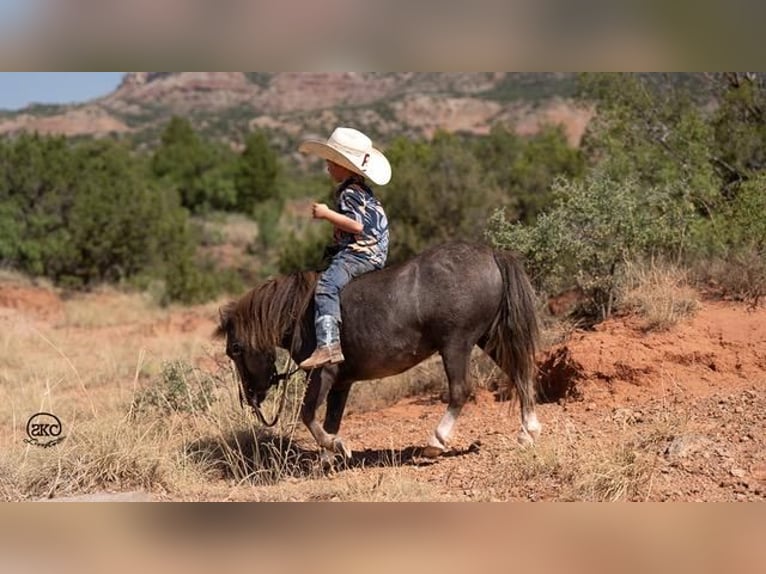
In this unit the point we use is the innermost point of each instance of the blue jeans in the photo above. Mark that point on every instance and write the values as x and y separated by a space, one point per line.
343 268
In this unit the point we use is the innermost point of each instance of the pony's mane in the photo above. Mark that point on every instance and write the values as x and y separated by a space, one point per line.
263 315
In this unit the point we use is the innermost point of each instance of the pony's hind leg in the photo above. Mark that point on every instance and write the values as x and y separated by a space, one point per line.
530 425
525 390
456 366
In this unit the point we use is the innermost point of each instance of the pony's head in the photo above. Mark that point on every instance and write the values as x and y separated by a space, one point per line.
256 367
274 314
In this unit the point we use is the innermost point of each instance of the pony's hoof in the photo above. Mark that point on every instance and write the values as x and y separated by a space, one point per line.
525 439
327 460
433 451
340 448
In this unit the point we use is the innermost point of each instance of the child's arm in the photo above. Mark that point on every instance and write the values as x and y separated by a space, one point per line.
321 211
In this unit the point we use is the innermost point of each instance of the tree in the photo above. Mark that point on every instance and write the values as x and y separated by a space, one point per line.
256 174
87 212
202 172
439 192
739 125
650 128
524 168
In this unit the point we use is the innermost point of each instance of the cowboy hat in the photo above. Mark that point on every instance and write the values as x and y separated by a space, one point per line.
353 150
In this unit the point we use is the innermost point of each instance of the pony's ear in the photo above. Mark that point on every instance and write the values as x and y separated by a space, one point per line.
225 314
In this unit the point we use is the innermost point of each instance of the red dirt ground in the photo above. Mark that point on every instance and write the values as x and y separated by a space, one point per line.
689 402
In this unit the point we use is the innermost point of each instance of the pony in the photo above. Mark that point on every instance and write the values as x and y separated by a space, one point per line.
445 300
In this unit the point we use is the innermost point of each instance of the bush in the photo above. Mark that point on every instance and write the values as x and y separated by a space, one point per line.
203 173
438 192
180 389
592 229
732 244
523 169
87 213
307 252
660 293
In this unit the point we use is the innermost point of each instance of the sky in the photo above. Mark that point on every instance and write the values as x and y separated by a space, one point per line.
19 89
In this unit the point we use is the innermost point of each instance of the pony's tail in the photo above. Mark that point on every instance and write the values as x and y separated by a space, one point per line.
513 338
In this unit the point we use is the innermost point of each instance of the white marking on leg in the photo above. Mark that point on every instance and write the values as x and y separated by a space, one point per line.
532 425
444 430
530 429
524 438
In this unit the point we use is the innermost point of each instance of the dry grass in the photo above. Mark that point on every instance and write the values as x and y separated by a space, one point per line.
619 464
175 432
741 276
88 311
180 431
139 414
660 294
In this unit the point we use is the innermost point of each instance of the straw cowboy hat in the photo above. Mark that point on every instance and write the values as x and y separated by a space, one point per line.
353 150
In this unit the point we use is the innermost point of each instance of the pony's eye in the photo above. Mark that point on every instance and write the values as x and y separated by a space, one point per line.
235 349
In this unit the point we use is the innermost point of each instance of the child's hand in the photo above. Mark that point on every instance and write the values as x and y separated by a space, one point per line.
320 211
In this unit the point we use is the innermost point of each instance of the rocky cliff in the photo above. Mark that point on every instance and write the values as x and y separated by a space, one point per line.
289 104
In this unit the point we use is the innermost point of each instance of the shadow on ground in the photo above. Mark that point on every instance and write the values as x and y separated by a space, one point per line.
265 458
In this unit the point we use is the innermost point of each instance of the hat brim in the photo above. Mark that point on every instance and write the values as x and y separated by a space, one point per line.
377 168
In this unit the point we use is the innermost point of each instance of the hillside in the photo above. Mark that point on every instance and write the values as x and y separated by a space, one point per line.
293 104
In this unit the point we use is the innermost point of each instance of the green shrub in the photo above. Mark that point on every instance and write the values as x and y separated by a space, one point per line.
731 246
89 212
304 252
257 171
180 388
201 171
438 192
592 229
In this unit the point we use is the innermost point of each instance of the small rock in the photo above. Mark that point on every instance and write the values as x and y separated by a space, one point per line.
624 416
759 472
686 445
737 472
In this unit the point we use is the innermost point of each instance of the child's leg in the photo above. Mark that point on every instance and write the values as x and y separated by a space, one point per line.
342 269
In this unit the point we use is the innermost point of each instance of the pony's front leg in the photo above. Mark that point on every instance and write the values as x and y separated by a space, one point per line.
438 441
320 383
455 359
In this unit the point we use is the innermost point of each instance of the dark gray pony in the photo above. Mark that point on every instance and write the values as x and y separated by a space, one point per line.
446 300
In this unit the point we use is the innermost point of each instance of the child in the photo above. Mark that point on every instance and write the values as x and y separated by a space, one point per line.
360 238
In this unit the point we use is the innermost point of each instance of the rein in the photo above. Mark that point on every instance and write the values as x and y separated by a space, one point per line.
275 379
280 378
